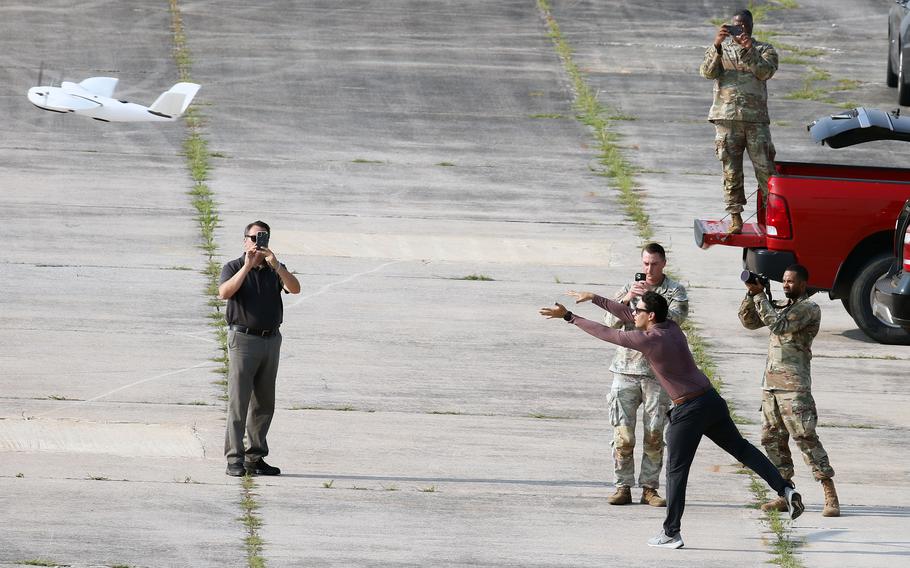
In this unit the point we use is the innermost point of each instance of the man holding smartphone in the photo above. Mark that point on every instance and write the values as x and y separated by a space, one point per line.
634 385
740 67
252 286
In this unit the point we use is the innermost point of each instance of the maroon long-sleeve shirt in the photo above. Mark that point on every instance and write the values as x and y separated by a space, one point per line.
664 345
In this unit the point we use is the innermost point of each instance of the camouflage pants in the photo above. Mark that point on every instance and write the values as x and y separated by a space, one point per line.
791 413
732 138
627 394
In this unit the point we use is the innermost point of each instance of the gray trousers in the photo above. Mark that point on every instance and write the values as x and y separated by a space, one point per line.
252 368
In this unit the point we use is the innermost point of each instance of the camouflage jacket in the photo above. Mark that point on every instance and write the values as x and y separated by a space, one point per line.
793 326
740 91
632 362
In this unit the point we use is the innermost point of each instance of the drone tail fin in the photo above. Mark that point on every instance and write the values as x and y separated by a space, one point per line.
174 102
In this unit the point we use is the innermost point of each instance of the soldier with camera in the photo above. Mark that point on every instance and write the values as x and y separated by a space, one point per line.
252 286
634 386
788 408
740 67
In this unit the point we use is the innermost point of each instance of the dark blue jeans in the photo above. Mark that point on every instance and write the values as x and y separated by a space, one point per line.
709 416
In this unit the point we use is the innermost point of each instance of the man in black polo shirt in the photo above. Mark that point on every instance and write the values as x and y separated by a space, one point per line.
252 286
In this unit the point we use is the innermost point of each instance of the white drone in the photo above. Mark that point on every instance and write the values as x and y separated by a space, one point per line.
93 98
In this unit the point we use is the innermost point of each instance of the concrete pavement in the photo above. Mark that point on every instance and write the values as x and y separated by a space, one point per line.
395 148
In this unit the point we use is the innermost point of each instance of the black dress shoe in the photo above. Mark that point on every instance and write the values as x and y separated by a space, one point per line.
259 467
235 470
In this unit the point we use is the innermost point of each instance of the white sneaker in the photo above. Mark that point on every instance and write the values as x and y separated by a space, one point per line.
795 505
664 541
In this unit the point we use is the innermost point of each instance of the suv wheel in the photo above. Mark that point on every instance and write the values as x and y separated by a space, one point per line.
903 76
860 301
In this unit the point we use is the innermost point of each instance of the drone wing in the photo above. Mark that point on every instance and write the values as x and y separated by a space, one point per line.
102 86
56 98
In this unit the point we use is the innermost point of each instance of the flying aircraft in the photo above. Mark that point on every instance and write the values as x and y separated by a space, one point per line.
93 98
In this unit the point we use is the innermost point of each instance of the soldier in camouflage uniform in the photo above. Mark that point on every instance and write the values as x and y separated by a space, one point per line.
740 67
634 385
788 409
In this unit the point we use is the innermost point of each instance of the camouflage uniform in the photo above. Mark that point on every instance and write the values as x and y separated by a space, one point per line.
634 385
740 114
788 408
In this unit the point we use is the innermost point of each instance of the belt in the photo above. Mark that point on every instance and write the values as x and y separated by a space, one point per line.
691 395
251 331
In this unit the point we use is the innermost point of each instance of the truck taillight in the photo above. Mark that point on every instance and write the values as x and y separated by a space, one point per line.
907 250
777 217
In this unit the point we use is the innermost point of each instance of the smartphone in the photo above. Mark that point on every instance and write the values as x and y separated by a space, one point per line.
262 240
735 31
639 276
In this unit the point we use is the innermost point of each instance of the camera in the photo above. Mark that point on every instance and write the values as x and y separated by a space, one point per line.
639 276
749 277
262 240
735 31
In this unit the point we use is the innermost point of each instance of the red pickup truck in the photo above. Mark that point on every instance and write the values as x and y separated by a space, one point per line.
836 220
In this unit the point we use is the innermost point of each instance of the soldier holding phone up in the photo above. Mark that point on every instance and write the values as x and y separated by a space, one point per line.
740 67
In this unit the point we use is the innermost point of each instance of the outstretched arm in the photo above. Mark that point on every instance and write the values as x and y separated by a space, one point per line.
631 339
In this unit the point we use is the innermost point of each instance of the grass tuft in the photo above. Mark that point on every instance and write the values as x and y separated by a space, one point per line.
599 118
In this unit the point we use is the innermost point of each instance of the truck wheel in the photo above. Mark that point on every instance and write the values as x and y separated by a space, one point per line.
860 301
846 303
891 77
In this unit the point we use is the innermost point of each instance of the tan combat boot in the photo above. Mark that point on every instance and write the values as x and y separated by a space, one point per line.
778 504
623 496
832 505
736 223
650 496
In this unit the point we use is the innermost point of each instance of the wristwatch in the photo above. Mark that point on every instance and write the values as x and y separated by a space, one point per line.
568 316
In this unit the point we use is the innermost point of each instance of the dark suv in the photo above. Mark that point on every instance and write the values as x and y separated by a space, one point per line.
899 50
891 294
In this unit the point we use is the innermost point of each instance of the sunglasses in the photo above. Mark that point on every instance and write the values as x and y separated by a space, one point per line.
636 310
251 237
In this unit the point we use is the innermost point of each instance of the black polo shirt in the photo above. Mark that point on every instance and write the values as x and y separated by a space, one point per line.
257 304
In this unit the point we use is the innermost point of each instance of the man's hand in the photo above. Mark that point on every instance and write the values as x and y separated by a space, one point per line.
636 291
553 313
755 288
581 296
744 40
722 33
253 258
270 258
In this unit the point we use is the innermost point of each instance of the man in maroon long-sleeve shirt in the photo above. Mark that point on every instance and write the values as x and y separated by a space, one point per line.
698 410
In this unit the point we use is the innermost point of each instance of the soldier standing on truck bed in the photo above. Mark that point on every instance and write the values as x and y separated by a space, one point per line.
740 67
787 407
